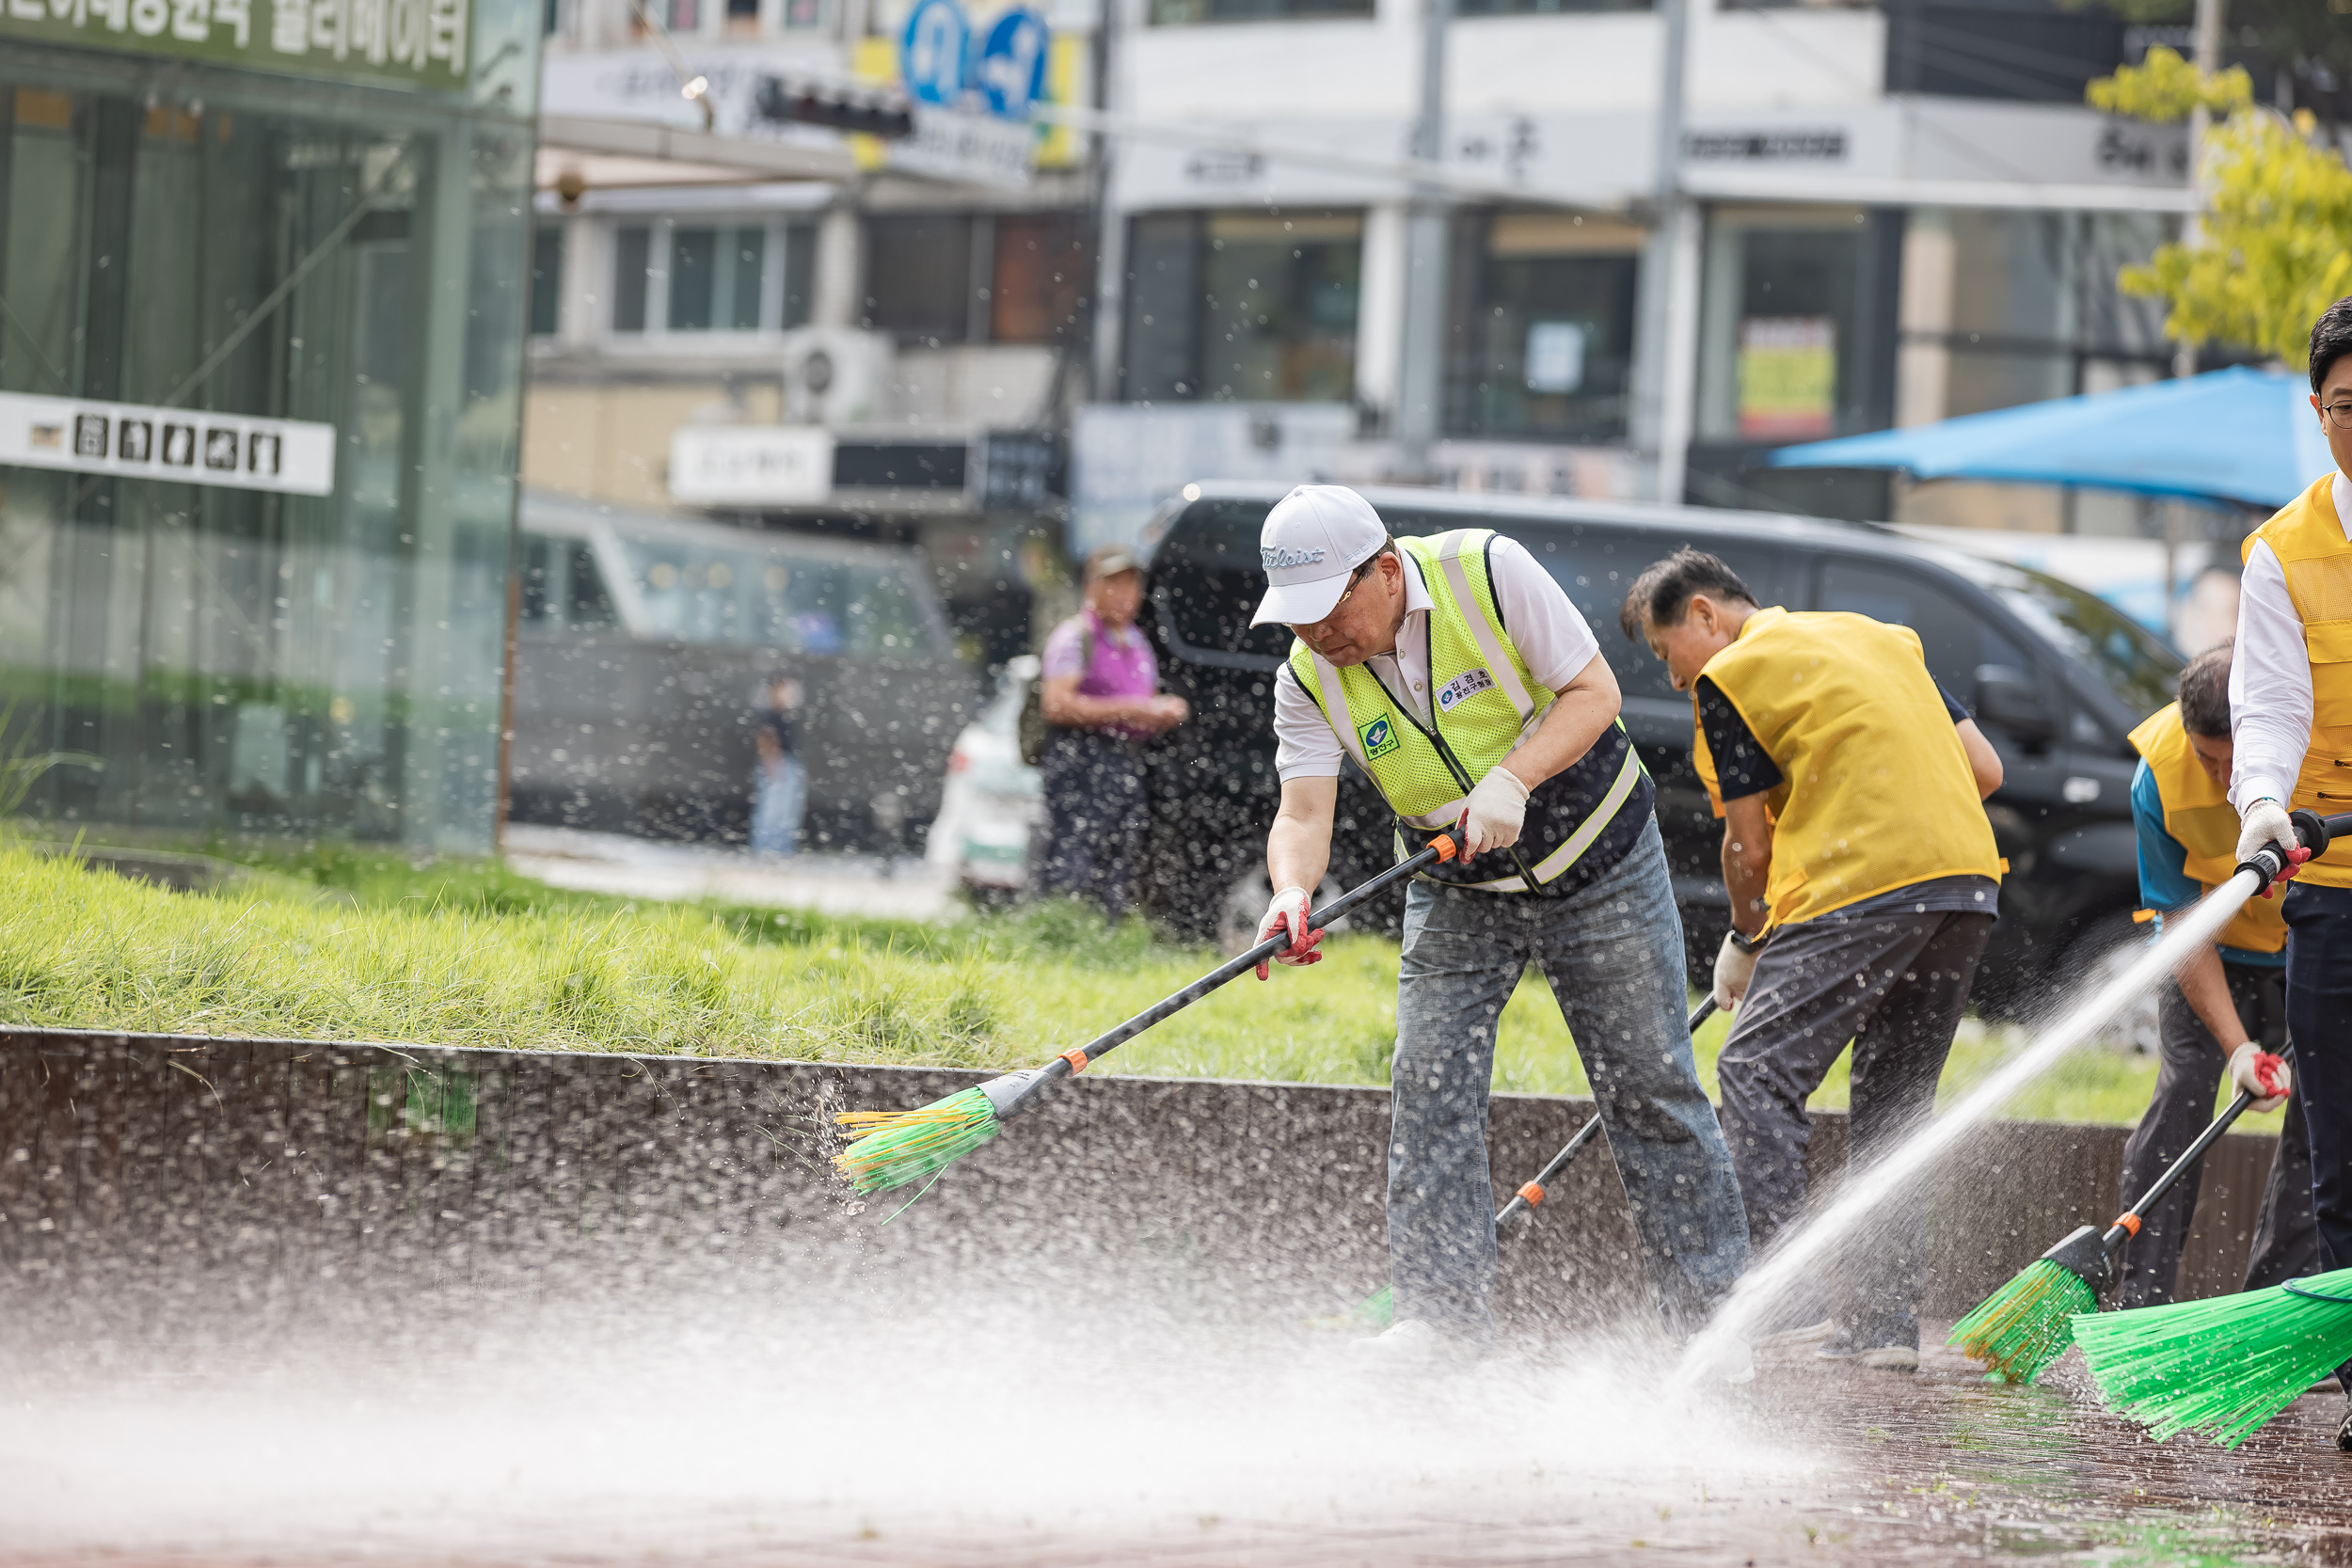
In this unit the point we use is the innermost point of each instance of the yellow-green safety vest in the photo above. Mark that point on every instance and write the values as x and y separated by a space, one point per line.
1483 701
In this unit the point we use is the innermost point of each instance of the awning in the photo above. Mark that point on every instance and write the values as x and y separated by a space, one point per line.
615 154
2237 435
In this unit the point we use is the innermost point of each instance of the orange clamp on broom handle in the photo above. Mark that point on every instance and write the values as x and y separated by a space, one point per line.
1533 1192
1078 1060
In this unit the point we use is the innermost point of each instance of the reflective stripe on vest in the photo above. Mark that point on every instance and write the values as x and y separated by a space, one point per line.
1485 700
2197 813
2308 538
1876 792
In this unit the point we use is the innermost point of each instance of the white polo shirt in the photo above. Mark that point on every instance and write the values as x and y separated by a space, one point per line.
2270 675
1551 638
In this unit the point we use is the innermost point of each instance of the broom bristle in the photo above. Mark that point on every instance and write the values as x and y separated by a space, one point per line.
2221 1367
890 1149
2027 1323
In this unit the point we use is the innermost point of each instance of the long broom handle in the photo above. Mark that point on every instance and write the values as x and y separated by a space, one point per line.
1531 1192
1069 1062
2127 1224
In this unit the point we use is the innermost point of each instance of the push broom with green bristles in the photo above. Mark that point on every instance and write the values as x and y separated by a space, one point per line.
2223 1365
1379 1307
2018 1330
891 1149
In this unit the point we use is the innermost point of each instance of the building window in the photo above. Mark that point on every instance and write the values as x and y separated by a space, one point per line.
699 276
715 277
1043 271
1543 347
1785 340
1558 8
1246 307
742 17
547 279
632 250
964 278
1182 13
918 276
686 16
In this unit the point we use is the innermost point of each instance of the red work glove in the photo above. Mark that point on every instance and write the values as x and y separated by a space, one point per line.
1287 916
2266 1077
2295 862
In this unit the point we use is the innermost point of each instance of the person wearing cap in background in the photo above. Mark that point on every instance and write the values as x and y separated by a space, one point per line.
2226 1006
2291 744
1099 686
1457 674
1851 789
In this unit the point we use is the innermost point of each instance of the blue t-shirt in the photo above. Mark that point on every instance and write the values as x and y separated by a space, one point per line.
2164 883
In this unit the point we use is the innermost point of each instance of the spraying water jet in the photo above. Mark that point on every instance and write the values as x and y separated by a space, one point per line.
1764 1284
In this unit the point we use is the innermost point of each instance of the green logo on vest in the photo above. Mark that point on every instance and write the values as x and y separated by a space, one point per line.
1378 737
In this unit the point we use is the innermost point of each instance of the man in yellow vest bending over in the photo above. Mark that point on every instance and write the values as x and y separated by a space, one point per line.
2291 735
1456 673
2228 1003
1855 833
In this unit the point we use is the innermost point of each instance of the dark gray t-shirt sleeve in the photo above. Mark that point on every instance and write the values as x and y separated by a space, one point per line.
1741 768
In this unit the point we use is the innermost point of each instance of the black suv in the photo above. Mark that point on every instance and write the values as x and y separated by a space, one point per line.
2056 677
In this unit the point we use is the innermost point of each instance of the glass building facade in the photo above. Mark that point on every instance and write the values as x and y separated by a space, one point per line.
263 289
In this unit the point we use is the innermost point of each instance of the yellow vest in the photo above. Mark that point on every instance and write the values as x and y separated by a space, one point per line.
1875 792
2309 541
2198 813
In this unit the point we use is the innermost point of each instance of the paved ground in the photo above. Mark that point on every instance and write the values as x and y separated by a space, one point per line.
1811 1464
904 887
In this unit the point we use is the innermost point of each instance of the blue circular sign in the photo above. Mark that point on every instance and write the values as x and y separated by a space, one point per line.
1012 63
933 52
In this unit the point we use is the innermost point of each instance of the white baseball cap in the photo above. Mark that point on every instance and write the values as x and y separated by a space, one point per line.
1312 542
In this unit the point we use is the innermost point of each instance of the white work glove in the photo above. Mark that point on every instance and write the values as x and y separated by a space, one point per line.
1492 815
1733 969
2257 1072
2265 822
1287 916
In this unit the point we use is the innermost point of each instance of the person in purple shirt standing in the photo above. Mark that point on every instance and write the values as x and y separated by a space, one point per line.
1099 691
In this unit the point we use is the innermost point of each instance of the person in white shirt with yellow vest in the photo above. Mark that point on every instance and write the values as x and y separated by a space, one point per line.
2291 741
1855 833
1457 674
2227 1005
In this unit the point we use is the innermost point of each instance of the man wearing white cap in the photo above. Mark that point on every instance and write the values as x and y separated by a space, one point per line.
1455 674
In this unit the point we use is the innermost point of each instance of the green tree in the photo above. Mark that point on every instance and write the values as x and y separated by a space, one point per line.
2308 40
2273 247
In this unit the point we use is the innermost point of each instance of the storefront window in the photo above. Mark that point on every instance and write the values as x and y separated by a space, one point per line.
1243 307
1544 339
274 601
1792 344
1178 13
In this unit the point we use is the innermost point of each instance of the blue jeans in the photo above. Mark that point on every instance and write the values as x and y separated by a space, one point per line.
779 798
1612 953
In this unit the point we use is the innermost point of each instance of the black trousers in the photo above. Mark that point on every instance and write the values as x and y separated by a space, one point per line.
1096 815
2188 1078
2319 1020
1894 984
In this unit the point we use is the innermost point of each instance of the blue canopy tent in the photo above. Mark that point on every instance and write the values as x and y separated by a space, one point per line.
2238 434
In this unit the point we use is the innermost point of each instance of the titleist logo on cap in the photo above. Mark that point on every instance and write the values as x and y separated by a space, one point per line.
1276 557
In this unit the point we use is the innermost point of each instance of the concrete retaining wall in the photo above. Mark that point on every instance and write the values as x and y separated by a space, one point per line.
134 1164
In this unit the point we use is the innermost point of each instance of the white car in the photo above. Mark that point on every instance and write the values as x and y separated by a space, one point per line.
993 800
